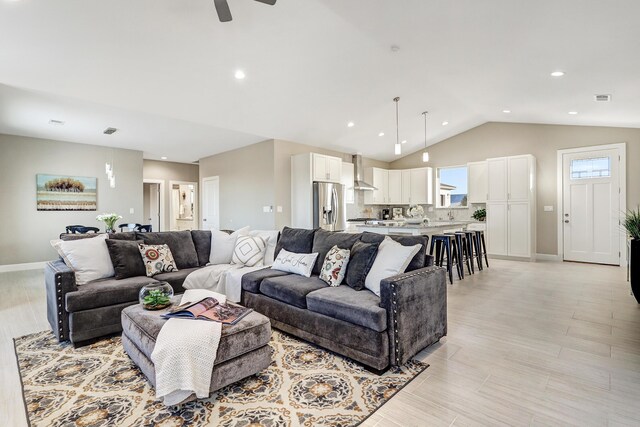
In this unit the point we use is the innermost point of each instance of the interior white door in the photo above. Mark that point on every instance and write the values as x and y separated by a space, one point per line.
154 206
211 203
591 206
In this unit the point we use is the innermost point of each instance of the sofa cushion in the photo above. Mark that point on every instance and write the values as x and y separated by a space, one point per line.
357 307
180 243
324 240
126 258
251 281
126 235
175 278
291 289
296 240
418 261
105 292
202 243
360 261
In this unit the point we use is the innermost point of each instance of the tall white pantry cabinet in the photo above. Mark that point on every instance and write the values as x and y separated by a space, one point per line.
511 206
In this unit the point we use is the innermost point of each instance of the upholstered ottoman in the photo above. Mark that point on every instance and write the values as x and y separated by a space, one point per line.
243 349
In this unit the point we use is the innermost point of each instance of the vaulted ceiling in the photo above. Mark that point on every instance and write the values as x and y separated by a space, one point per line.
162 71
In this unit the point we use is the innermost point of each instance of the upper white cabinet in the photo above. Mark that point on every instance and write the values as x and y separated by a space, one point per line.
497 180
347 181
399 187
478 182
326 168
519 178
395 187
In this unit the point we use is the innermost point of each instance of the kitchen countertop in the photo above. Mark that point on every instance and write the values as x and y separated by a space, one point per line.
424 226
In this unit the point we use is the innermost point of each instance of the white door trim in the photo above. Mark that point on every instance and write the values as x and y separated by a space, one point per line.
163 216
622 147
196 213
202 181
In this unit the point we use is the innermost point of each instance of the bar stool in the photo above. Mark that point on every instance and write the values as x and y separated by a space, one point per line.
466 252
472 249
460 243
442 243
482 247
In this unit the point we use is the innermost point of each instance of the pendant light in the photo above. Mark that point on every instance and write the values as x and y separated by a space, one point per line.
425 153
398 146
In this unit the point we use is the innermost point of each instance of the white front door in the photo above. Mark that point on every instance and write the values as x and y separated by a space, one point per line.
211 203
591 206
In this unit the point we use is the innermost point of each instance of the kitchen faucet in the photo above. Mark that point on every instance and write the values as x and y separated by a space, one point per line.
450 214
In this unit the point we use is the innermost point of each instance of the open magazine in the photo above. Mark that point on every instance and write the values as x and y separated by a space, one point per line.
209 309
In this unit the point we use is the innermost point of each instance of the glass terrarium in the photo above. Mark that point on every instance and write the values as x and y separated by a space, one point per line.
156 296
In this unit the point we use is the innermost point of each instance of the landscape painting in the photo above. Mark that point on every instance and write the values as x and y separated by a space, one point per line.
66 193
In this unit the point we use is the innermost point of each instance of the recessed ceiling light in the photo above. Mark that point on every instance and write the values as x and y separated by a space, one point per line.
239 74
381 134
56 122
573 113
109 131
445 123
506 111
557 73
163 157
351 124
404 141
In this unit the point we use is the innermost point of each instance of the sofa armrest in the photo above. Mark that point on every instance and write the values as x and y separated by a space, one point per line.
59 280
429 260
416 304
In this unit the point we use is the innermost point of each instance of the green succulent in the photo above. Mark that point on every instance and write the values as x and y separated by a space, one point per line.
156 298
632 223
479 214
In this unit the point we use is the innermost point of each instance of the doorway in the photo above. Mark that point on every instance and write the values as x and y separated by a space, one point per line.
592 198
183 209
211 203
153 204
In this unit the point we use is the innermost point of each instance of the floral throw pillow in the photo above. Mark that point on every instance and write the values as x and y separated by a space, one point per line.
335 266
157 259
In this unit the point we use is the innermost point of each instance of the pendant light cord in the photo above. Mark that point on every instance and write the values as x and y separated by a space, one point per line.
425 128
396 99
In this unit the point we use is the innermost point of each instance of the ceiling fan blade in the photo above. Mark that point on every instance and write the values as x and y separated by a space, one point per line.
269 2
222 7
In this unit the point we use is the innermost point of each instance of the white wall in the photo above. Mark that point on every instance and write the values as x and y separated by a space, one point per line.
25 232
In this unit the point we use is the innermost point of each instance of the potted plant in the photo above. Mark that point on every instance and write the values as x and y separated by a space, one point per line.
109 220
632 225
480 214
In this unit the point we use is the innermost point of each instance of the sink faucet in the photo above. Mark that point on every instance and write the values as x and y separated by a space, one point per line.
450 214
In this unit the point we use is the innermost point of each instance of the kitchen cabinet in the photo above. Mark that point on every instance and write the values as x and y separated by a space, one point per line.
478 182
395 187
511 202
326 168
399 187
347 181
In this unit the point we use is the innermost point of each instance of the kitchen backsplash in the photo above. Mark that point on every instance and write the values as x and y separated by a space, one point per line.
360 210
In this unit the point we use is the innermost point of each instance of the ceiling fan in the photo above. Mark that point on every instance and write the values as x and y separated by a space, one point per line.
224 13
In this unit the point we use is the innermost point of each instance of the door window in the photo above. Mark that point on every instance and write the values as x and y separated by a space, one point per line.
596 167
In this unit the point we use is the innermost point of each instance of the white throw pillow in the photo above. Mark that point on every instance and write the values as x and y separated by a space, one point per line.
334 266
89 258
290 262
222 245
249 251
392 258
271 237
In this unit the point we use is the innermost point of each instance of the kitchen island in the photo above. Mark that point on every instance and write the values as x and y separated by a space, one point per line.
429 229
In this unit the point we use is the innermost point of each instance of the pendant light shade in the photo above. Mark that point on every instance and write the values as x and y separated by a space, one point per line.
398 147
425 153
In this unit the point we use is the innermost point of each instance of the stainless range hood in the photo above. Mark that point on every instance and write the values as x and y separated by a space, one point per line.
359 183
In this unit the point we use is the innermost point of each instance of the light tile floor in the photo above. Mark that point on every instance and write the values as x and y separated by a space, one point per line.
529 344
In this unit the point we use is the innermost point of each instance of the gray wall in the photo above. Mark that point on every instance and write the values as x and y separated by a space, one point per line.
168 171
543 141
25 231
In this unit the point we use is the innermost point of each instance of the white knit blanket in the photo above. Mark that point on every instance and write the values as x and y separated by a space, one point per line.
185 352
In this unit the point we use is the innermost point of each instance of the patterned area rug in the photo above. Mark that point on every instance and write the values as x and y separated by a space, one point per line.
98 385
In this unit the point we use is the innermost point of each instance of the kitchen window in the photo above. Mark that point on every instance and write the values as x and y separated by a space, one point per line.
452 187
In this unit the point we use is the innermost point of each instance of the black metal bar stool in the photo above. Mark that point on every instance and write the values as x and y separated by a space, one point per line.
482 247
465 250
472 249
459 252
442 243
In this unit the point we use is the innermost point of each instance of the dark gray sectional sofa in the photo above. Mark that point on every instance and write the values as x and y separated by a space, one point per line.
409 315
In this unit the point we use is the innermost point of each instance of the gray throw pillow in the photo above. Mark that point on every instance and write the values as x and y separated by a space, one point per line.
324 240
296 240
180 243
126 258
360 261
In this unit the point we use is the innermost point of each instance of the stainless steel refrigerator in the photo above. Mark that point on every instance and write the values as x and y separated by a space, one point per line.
329 206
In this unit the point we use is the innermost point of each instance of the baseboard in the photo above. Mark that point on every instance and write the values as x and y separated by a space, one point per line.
20 267
548 257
